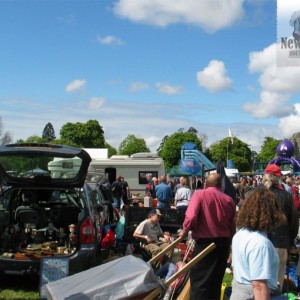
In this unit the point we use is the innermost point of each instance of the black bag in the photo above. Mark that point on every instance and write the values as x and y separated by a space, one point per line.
116 189
105 187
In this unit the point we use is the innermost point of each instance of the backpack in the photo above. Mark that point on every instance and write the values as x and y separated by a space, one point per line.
106 190
116 189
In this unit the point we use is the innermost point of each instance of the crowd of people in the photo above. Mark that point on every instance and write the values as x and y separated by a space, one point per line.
254 233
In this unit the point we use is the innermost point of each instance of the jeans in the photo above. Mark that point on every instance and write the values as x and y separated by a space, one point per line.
166 271
117 202
163 204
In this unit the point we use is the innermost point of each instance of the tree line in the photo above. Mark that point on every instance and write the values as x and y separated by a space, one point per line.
91 135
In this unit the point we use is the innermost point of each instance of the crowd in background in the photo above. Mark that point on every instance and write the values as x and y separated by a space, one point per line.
267 219
245 184
242 185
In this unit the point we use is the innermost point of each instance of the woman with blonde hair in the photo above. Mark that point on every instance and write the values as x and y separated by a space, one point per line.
254 259
183 195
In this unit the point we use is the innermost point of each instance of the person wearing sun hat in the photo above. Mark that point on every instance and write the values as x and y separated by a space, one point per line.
150 231
283 236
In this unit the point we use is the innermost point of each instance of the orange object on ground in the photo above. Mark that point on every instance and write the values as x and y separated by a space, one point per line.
154 202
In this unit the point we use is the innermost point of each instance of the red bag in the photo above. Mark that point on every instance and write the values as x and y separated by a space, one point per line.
109 241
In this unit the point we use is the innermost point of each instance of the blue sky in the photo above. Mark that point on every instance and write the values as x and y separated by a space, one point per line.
146 68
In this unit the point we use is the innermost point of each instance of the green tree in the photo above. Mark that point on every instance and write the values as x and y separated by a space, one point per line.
192 130
295 139
171 149
111 150
239 152
161 145
131 144
268 149
32 139
84 135
49 133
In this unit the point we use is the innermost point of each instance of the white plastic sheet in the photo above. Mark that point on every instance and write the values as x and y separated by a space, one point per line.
122 278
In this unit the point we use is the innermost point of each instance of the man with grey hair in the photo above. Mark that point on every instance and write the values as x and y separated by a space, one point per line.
210 216
284 235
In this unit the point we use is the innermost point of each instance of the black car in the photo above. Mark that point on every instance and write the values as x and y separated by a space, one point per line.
46 208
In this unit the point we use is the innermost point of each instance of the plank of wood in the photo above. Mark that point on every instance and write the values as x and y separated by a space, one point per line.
164 251
185 293
191 263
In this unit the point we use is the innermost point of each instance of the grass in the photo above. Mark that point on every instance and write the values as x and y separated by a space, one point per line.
19 287
10 294
227 279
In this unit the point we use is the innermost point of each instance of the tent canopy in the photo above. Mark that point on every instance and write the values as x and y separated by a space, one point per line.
176 172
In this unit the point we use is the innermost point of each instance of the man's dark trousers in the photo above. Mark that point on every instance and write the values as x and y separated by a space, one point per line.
207 275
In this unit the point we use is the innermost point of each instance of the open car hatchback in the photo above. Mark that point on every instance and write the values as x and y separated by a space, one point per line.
46 208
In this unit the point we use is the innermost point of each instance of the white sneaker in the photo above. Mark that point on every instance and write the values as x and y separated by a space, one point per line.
228 271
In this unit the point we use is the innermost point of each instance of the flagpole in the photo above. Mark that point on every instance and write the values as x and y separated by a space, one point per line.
227 153
229 140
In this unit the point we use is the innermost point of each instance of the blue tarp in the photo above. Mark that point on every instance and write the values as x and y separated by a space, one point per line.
177 172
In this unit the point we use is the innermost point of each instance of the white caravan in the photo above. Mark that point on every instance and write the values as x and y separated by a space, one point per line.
136 169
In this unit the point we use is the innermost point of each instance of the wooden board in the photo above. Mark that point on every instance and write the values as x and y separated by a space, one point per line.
185 293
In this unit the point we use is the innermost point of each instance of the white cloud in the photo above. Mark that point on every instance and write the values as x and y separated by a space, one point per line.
273 78
207 14
76 86
153 142
254 133
95 103
213 77
119 118
269 105
110 40
277 86
260 61
138 86
291 124
168 89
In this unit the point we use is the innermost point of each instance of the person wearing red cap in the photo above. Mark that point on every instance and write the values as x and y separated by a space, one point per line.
283 236
273 170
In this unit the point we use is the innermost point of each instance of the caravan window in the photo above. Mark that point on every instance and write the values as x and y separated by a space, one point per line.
146 176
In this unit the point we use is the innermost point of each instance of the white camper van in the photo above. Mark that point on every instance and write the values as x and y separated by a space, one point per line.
136 169
64 167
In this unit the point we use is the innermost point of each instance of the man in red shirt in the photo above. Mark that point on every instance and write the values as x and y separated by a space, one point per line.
210 217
